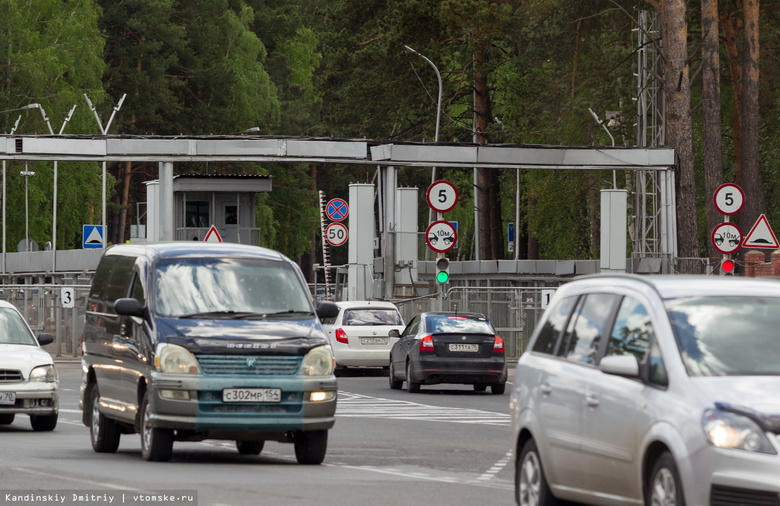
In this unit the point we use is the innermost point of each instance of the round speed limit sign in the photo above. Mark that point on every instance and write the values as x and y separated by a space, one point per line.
336 234
729 199
442 196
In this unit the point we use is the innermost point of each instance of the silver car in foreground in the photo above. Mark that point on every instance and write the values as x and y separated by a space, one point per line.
654 390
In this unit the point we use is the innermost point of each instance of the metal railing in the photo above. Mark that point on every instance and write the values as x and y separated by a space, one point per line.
42 306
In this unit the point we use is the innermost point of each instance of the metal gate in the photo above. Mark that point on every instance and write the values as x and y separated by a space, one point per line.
42 306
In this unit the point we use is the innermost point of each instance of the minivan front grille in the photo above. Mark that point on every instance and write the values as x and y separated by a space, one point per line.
10 375
250 365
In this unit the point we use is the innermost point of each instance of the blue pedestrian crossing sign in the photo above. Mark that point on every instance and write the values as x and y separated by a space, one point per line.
93 236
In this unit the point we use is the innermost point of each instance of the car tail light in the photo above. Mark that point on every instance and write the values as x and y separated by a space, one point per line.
426 344
498 345
341 336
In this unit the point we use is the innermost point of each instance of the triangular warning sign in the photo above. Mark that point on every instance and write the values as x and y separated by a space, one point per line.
212 235
761 235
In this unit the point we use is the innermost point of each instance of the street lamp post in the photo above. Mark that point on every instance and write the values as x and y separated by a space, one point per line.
436 135
26 173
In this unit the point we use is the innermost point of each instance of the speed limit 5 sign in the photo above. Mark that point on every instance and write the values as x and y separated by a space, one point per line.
442 196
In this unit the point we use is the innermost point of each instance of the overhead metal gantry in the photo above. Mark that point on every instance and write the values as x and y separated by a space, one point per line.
262 149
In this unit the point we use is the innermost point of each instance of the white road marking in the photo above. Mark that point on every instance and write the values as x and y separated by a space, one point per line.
352 405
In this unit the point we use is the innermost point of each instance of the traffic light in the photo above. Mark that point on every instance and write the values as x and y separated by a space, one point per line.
727 266
442 270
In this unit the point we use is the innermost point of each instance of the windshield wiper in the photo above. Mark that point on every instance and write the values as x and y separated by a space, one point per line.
287 312
219 314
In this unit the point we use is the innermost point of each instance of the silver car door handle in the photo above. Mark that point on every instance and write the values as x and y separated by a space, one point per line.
592 401
545 388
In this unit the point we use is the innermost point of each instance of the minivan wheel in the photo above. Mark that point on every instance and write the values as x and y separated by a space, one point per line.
103 431
156 443
395 384
665 488
531 487
7 418
310 446
250 447
411 386
43 423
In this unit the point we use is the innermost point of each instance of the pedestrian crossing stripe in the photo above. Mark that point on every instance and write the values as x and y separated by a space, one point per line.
352 405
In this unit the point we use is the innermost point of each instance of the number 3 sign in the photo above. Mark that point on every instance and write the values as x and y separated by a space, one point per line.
442 196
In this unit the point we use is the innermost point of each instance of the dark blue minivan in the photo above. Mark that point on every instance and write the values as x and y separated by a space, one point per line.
186 341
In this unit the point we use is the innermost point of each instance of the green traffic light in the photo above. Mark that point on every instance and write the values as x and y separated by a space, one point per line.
442 277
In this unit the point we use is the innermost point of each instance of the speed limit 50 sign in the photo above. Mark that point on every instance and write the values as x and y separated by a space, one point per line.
336 234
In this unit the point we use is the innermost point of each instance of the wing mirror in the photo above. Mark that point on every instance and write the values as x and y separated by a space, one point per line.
620 365
129 307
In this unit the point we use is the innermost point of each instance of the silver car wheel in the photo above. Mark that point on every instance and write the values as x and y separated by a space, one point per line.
95 421
146 429
664 489
530 480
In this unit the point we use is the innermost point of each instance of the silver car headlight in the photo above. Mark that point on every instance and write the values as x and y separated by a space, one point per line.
731 430
318 362
175 359
44 373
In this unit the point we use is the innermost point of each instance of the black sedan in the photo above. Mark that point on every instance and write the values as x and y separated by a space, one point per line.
445 347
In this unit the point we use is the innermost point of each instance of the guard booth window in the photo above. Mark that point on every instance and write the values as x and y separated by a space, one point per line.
197 214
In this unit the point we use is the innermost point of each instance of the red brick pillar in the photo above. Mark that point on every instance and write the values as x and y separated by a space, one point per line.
774 259
753 259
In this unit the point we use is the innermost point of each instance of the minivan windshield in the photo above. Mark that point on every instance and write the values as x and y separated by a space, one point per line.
719 336
228 288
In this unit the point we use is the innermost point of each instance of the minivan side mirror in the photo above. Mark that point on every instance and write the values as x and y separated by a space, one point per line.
620 365
129 307
45 338
326 309
394 333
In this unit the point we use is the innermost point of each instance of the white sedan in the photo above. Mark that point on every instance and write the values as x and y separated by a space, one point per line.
28 378
359 334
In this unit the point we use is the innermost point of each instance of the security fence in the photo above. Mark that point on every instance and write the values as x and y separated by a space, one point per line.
513 311
56 309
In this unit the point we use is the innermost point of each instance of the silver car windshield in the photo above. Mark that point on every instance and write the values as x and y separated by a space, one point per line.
372 317
203 288
13 330
719 336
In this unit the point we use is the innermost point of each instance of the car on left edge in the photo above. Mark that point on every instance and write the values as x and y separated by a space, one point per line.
29 384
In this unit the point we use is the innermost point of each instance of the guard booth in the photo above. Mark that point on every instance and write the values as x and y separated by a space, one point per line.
226 201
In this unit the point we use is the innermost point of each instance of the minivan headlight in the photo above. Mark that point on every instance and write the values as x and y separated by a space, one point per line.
44 373
175 359
318 362
731 430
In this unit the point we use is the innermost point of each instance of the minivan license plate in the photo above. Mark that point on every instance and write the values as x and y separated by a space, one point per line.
463 347
251 395
7 398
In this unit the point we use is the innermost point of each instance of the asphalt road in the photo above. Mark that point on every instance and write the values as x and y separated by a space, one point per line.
447 445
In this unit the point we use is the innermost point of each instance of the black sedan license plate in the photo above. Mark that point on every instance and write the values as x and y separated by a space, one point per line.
463 347
252 395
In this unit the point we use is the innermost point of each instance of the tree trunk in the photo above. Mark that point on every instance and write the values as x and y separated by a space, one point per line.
123 202
751 171
713 157
732 24
490 233
677 93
